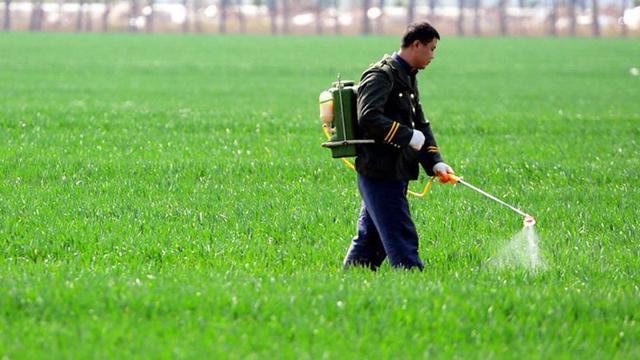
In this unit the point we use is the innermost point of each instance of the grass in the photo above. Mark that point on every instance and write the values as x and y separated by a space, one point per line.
167 197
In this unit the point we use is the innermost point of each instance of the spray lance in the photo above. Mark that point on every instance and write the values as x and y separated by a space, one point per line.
453 179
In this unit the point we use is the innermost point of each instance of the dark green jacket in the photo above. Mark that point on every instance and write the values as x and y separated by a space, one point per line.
388 111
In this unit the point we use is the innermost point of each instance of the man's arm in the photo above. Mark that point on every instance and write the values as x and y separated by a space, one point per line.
373 93
429 155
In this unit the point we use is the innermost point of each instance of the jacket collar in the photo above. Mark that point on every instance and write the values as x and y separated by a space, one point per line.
405 65
403 75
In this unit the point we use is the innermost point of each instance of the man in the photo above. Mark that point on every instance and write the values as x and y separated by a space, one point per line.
389 112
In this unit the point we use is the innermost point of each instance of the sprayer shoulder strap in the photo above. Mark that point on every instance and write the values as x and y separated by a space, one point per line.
386 65
396 73
383 65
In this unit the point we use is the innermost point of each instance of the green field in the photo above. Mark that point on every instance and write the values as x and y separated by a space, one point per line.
167 197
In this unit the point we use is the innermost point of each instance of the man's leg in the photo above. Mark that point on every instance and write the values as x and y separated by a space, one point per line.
366 248
387 206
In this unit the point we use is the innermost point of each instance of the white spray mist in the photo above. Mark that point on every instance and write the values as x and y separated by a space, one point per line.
522 251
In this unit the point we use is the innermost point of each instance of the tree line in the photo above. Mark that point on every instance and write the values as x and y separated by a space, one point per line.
468 21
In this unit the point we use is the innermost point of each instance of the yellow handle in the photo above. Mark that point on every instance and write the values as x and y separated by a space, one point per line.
425 190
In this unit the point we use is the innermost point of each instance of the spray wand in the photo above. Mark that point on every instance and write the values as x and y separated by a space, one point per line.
450 178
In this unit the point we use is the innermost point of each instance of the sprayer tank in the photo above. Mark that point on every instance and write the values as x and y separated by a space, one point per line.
342 122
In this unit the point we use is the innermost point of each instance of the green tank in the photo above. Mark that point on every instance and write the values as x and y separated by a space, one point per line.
343 124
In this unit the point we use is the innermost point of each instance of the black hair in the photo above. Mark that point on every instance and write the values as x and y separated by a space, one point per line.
422 31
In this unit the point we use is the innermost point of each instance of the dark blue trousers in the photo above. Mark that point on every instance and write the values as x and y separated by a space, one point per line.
385 228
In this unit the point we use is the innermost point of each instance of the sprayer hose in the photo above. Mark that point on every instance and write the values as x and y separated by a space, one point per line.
424 191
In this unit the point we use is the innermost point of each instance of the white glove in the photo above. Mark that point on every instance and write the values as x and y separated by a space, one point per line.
417 140
442 168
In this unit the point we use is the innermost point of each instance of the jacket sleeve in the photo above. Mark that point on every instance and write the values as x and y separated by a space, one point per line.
429 155
373 93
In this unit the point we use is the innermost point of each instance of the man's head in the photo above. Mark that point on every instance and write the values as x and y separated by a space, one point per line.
419 44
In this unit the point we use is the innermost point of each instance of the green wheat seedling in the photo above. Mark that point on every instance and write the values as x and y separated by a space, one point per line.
167 197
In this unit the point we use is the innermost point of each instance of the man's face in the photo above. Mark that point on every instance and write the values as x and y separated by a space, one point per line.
424 53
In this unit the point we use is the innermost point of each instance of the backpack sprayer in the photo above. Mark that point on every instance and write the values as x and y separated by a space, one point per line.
340 119
340 125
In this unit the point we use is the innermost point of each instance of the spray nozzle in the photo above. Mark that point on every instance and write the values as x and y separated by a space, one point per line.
529 221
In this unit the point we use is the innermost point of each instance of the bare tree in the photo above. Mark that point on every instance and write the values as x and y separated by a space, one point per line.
432 6
241 18
222 25
623 25
88 18
366 25
522 5
150 17
460 23
273 14
105 15
7 15
37 14
502 17
595 23
286 13
477 4
380 19
133 16
79 16
411 11
572 17
317 9
197 15
58 22
187 19
338 28
553 17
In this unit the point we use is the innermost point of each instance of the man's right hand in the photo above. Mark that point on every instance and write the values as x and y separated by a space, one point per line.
417 140
444 172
